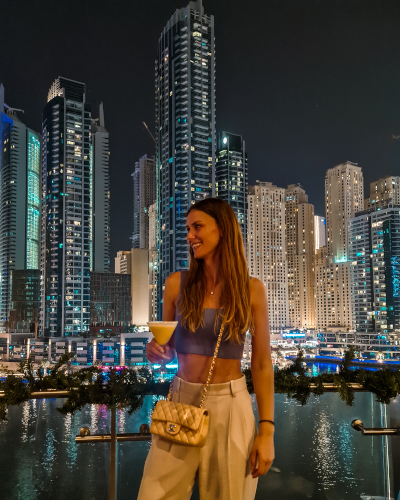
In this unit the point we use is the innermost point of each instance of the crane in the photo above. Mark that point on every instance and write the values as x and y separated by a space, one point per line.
148 130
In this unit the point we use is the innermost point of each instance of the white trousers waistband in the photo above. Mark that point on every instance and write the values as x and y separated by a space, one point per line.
226 389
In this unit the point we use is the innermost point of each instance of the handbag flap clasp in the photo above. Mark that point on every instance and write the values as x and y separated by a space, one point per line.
173 428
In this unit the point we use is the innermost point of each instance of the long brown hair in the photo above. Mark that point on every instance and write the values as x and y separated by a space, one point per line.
232 274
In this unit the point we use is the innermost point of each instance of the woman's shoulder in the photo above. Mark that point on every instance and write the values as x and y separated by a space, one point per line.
257 287
173 285
255 283
173 280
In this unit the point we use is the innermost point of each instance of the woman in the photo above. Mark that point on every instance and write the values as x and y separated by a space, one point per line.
216 286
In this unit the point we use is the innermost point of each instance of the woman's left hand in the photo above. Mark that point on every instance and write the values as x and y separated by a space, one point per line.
262 453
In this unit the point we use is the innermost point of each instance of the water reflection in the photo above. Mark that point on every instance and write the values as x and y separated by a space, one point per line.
67 427
121 421
324 443
71 430
318 455
50 451
28 417
94 419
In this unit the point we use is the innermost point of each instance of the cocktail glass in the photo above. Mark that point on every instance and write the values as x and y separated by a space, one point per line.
162 331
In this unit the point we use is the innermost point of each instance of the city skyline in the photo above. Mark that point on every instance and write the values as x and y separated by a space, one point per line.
319 97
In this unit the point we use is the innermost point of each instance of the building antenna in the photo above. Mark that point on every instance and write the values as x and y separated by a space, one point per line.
151 135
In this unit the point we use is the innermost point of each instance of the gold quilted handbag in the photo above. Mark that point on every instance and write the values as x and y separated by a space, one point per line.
181 423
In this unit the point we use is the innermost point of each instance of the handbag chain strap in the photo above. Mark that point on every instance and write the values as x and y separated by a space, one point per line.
209 373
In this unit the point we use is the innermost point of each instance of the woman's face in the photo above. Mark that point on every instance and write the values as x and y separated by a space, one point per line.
203 233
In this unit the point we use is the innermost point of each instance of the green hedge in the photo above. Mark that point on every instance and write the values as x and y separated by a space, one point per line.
126 387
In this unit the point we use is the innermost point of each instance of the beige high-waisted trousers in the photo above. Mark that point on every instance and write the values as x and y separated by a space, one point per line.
222 465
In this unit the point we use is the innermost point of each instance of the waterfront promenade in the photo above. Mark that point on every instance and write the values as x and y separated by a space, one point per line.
356 363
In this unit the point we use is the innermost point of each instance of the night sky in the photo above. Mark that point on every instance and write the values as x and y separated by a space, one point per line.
308 84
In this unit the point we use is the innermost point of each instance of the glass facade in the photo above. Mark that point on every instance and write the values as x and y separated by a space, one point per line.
231 176
100 198
185 130
25 298
66 216
19 204
144 190
374 250
7 222
91 207
33 202
110 300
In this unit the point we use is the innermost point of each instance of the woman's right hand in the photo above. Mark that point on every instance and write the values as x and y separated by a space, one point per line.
156 353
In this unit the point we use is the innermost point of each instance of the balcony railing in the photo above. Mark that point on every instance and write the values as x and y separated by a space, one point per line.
316 451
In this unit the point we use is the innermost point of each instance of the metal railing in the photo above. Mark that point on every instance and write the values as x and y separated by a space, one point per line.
374 431
113 438
144 432
86 437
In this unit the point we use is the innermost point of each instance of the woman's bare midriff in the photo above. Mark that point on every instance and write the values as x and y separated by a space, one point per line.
194 368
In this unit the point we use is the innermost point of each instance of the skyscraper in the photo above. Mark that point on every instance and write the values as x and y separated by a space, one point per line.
382 192
153 263
344 193
66 210
231 176
144 195
266 248
123 264
1 114
323 289
375 268
19 202
185 129
319 231
300 249
138 264
100 189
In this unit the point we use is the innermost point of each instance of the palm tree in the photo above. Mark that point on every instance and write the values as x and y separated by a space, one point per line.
45 364
69 366
279 354
5 370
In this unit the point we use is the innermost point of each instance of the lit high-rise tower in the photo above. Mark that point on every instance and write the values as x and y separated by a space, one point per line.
300 250
66 210
100 188
319 232
266 248
185 129
383 192
344 196
19 202
231 176
374 250
144 193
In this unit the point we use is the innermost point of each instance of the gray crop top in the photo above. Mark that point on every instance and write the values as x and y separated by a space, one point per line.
203 340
